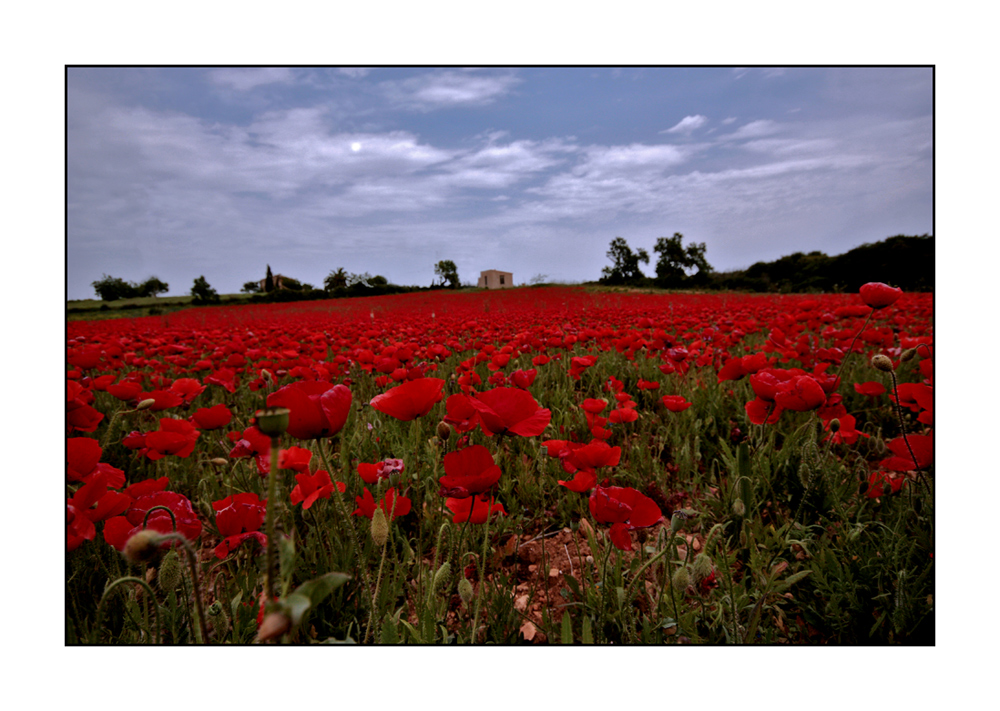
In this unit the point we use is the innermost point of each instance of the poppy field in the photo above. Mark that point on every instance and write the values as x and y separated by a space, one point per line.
537 465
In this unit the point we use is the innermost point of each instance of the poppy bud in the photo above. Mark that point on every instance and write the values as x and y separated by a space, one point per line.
465 590
681 579
834 425
218 461
379 528
274 625
273 421
702 567
170 572
907 355
145 404
881 362
441 576
142 547
266 375
443 431
739 508
218 618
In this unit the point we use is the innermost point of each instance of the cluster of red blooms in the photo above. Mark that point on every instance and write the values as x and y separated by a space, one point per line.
307 362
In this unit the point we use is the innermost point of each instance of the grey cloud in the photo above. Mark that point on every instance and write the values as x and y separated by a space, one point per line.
244 79
448 88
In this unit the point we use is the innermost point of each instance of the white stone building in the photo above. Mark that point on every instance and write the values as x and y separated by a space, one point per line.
493 279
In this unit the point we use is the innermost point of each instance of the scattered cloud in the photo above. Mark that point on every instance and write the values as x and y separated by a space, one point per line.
245 79
688 124
354 72
448 88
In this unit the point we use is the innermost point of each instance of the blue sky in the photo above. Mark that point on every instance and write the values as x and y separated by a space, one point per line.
180 172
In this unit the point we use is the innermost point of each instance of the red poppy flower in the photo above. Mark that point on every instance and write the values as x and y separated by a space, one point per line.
675 403
80 415
847 434
626 509
880 482
256 444
623 415
870 389
212 418
647 384
800 394
91 503
162 399
146 487
474 509
223 377
923 450
879 295
239 517
510 411
763 412
83 463
125 391
460 413
410 400
390 504
175 437
593 405
294 458
578 364
469 471
371 473
119 529
313 487
523 378
317 409
187 388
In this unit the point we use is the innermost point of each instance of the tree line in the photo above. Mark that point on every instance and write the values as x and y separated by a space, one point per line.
901 260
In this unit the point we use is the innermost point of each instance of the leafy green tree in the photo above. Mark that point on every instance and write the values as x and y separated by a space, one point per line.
251 287
625 267
113 288
289 283
448 272
675 261
336 279
203 293
153 286
269 281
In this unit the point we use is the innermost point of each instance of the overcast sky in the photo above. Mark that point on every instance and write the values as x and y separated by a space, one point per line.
181 172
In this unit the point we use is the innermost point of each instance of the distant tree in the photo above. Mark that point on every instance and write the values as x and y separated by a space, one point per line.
113 288
203 293
289 283
625 267
538 279
251 287
448 272
336 279
153 286
362 279
675 261
269 281
378 280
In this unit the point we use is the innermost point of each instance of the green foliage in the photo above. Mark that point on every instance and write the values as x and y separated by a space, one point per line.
152 287
675 261
203 293
113 288
269 281
251 287
336 279
448 273
625 264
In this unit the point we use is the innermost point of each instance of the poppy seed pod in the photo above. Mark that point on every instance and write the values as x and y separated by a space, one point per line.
273 421
881 362
443 431
834 425
142 547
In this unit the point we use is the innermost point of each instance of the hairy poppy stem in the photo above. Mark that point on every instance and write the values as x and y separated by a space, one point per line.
482 573
902 427
142 583
342 510
269 520
851 349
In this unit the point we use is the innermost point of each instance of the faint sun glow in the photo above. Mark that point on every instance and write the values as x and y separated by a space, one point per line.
355 146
